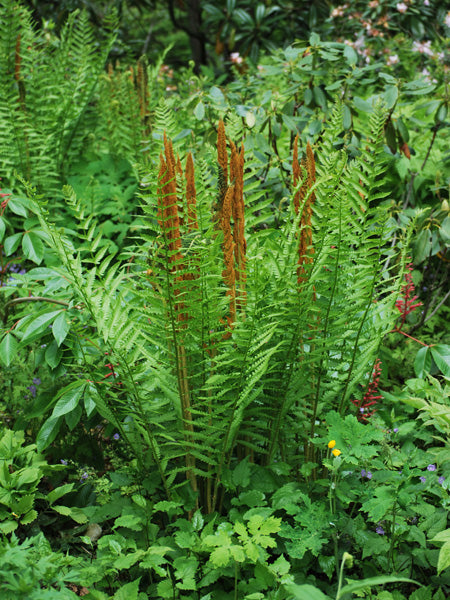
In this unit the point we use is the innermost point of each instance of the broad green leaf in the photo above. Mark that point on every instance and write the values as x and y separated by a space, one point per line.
16 206
444 557
250 119
12 243
199 111
350 55
58 492
217 94
381 580
70 511
47 433
39 324
304 592
8 349
422 363
32 247
390 96
53 355
61 327
2 228
441 356
69 399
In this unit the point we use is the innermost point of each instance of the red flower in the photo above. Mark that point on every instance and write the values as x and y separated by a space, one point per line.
371 396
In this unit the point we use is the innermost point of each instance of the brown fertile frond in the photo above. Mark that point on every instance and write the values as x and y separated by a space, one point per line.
222 157
191 194
297 170
222 160
306 250
167 195
229 274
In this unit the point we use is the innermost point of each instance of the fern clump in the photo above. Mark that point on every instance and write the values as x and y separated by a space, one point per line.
228 340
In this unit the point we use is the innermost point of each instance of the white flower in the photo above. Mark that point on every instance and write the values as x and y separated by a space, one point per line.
423 47
236 58
426 2
402 7
447 19
392 59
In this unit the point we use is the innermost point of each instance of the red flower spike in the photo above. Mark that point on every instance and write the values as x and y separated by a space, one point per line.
371 396
407 303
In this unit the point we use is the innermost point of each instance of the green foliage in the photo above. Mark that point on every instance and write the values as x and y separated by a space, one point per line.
209 422
21 472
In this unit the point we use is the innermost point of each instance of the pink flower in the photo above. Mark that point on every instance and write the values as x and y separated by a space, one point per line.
236 58
402 7
392 60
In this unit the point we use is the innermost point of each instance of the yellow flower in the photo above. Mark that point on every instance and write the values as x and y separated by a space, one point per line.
335 452
332 444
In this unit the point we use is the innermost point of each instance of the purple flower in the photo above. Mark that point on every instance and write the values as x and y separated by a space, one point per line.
441 480
63 462
379 530
363 473
395 430
116 436
32 389
84 476
431 468
423 479
369 475
36 381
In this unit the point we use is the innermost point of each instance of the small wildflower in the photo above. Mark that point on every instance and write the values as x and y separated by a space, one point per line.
369 475
431 468
402 7
336 452
36 381
331 444
32 389
84 476
423 479
395 430
441 480
116 436
63 462
363 473
392 60
379 530
236 58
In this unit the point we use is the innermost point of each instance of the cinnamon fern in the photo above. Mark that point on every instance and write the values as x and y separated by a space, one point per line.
227 339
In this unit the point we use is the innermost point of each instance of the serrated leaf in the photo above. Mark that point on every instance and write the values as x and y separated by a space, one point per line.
11 243
69 399
61 327
422 362
2 228
39 324
441 356
47 433
8 349
32 247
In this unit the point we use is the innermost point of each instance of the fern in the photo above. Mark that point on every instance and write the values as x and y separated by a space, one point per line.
201 386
